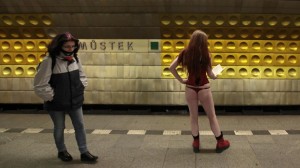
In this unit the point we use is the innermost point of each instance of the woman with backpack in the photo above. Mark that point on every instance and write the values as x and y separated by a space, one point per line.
60 82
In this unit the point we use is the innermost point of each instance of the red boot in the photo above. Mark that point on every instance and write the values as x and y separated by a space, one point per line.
221 144
196 144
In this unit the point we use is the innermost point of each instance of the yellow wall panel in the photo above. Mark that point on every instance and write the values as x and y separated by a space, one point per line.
6 71
42 44
229 72
217 58
243 59
292 72
230 59
292 59
179 45
293 46
6 58
255 72
280 72
167 46
255 59
22 71
30 45
267 59
32 58
19 58
166 72
167 58
267 72
6 45
243 72
259 51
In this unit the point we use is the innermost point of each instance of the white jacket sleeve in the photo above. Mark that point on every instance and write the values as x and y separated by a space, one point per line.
41 84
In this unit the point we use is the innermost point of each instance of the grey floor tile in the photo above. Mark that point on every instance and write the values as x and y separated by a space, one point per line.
130 141
15 130
149 158
153 149
260 139
293 132
270 155
228 133
119 132
211 160
186 132
47 131
260 132
178 158
118 157
154 132
88 131
156 141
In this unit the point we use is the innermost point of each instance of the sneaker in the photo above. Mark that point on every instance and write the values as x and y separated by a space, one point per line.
222 145
88 157
65 156
196 146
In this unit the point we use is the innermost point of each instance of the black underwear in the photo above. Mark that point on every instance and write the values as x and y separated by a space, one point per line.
197 89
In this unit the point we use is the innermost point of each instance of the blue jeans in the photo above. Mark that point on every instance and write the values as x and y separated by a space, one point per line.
58 118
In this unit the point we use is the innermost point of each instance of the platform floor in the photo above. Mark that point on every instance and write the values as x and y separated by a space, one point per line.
153 141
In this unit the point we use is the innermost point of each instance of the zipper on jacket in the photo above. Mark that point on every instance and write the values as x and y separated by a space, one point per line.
71 105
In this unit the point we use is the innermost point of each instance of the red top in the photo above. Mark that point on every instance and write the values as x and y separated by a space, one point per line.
200 82
192 77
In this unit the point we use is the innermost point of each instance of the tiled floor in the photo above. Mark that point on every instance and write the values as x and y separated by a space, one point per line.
151 132
154 141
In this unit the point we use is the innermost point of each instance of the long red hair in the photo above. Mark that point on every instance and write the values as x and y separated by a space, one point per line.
195 58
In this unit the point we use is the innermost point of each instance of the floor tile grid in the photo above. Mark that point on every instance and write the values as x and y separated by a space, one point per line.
153 132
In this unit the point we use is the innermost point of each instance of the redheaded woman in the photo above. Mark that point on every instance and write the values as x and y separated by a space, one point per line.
196 60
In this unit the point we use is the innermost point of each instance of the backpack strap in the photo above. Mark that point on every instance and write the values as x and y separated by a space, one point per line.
53 63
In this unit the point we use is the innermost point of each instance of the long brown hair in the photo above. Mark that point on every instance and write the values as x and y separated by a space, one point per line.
58 41
195 58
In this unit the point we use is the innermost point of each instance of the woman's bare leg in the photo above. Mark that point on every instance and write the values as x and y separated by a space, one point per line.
207 102
192 101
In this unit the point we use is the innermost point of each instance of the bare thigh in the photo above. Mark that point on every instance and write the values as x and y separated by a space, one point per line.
206 99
